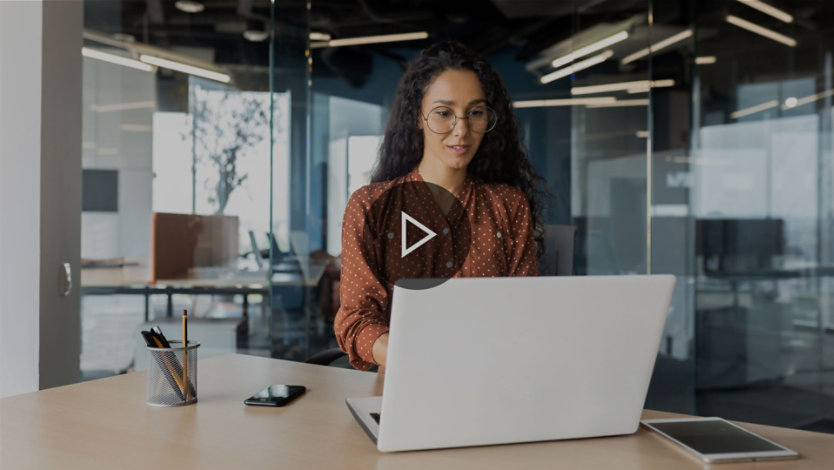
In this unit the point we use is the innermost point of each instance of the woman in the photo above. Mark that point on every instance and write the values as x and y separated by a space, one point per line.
451 130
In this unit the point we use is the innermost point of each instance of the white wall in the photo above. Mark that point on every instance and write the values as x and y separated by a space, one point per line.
40 185
20 149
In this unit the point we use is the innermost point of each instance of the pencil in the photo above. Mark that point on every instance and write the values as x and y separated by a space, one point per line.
185 353
172 375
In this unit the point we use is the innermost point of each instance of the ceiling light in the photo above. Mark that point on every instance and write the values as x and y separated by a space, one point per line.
583 51
104 108
318 36
621 104
644 86
762 31
754 109
657 46
808 99
768 10
563 102
576 67
372 39
620 86
189 6
115 59
255 35
706 60
790 102
642 134
185 68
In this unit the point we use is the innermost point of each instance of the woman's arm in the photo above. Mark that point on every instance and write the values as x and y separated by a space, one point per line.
362 317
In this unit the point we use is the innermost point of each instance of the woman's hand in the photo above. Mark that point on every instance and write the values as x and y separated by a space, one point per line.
380 350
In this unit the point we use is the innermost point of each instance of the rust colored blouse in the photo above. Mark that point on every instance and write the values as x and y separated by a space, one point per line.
500 236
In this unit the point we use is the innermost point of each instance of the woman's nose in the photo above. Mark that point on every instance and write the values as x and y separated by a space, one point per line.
461 126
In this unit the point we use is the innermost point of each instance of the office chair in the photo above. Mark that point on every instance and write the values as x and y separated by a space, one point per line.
559 242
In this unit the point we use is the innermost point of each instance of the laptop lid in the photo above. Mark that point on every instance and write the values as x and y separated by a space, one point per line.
478 361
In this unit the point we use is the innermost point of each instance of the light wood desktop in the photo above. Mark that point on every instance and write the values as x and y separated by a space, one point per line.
105 424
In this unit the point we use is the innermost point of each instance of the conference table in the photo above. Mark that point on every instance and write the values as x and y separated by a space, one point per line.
136 280
105 424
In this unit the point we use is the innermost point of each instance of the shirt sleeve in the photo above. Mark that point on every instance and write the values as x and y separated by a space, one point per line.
523 253
362 315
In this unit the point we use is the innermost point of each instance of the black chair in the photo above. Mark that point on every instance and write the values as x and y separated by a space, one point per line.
559 243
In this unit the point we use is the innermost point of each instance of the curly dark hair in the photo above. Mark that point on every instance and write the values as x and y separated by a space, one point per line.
501 158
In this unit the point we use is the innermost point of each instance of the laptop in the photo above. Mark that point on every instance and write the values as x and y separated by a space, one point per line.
481 361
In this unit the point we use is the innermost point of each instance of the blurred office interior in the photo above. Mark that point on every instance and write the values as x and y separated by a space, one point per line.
221 139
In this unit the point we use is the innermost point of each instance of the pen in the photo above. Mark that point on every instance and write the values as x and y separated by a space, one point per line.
185 352
172 375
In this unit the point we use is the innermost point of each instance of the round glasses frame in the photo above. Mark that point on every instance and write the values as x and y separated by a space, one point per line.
455 118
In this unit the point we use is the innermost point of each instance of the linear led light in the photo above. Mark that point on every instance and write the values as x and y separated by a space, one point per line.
573 68
761 31
116 59
563 102
621 104
659 45
105 108
642 134
754 109
706 60
768 10
370 39
318 36
583 51
645 85
636 85
793 102
185 68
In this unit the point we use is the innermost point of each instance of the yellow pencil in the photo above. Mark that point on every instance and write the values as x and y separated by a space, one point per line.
185 353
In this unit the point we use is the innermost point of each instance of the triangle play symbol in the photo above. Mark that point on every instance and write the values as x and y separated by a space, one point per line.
404 250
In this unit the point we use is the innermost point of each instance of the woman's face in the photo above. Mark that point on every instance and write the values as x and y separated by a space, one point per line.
459 92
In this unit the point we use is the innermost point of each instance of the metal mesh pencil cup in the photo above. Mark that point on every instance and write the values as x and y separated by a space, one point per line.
166 381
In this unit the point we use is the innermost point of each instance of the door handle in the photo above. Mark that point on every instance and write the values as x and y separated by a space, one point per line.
66 279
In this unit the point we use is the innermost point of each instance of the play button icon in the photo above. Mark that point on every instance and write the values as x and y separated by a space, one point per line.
405 249
415 230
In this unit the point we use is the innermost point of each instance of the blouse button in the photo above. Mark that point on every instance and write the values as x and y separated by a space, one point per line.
445 230
498 234
448 264
390 235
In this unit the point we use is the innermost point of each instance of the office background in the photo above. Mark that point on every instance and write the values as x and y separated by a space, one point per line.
691 137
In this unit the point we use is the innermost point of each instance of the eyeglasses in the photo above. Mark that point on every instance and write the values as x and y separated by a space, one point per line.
442 120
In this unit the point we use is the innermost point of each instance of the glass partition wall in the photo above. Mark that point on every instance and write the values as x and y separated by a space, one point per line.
185 134
761 204
691 138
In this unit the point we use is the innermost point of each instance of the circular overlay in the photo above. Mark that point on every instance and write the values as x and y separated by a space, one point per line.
416 235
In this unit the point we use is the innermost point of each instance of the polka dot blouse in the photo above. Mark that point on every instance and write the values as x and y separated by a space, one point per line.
498 241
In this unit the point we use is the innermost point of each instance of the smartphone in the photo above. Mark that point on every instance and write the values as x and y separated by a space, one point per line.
716 440
276 395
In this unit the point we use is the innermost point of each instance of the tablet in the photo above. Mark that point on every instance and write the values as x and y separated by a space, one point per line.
717 440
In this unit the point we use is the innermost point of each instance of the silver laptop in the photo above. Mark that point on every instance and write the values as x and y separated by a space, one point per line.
480 361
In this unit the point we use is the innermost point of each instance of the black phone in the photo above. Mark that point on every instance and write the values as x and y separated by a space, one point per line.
276 395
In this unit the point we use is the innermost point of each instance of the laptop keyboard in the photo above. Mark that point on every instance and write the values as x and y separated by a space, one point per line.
375 416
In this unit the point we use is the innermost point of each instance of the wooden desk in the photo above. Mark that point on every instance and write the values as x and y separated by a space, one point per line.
105 424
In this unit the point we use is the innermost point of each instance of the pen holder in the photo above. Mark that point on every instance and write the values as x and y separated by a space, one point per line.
166 381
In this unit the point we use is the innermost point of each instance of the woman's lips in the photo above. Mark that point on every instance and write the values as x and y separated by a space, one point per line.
458 149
